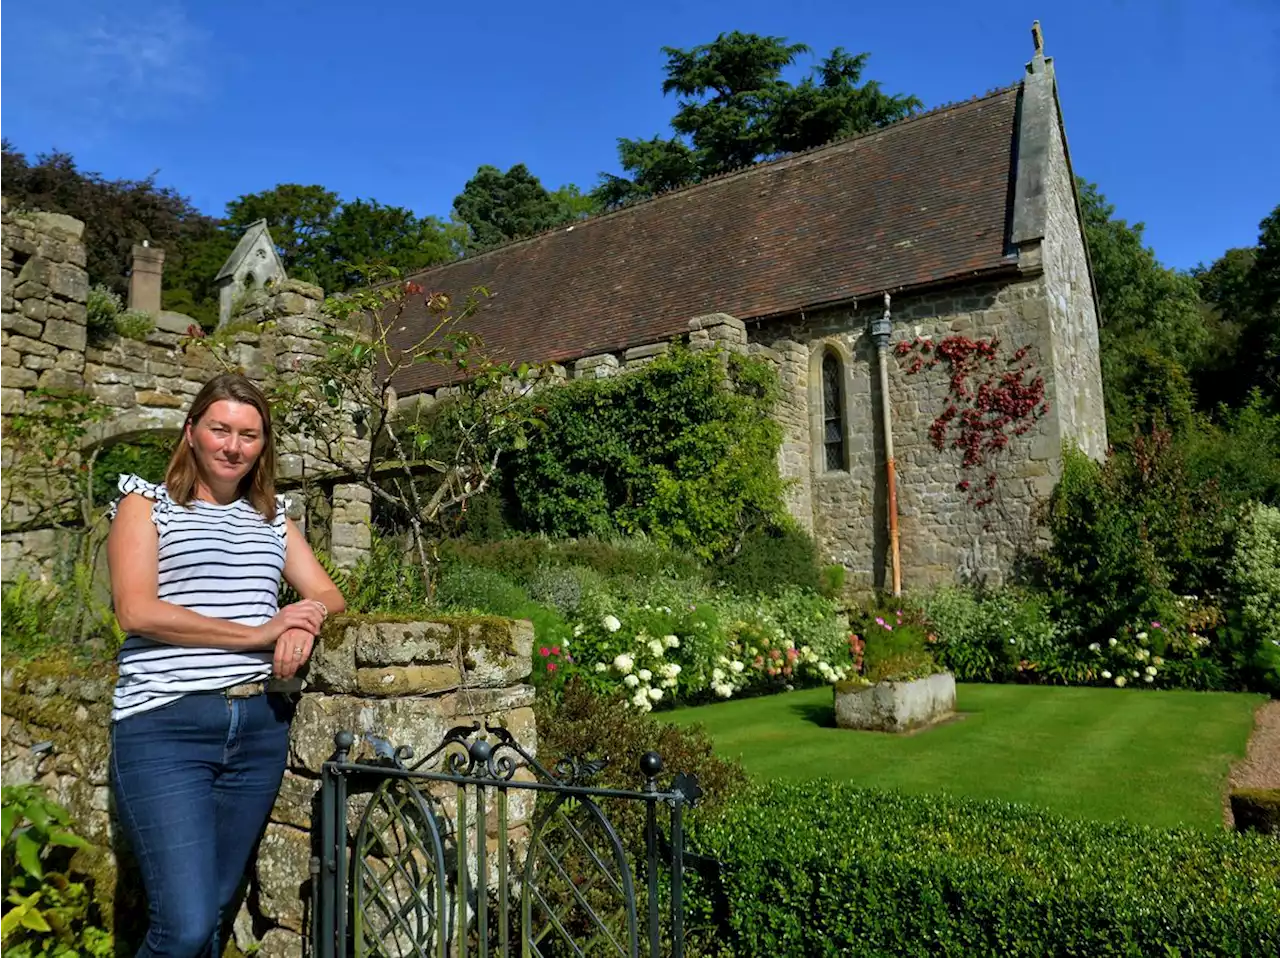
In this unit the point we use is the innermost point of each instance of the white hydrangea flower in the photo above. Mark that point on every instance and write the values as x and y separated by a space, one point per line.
1150 670
1112 643
1148 678
1094 647
1136 673
645 675
1120 680
668 683
656 646
611 623
624 663
670 670
1142 637
736 667
1106 674
671 641
1157 661
722 690
641 701
631 681
578 630
656 694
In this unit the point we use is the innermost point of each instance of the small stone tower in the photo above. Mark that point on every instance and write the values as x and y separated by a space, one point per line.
252 264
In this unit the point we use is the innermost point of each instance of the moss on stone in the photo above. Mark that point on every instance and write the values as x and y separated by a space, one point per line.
491 633
846 686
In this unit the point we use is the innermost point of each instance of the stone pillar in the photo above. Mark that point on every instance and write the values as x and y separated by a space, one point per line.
350 524
596 367
144 281
718 329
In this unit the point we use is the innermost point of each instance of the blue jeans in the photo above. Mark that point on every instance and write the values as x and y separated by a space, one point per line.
194 782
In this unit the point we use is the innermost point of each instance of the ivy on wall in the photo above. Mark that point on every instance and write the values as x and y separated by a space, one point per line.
990 400
677 451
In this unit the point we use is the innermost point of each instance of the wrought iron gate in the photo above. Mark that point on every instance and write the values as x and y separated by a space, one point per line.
478 849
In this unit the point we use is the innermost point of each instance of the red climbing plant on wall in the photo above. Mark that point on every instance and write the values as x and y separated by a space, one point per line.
988 403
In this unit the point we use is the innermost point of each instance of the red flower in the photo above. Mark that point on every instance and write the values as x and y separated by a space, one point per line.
555 650
551 666
544 651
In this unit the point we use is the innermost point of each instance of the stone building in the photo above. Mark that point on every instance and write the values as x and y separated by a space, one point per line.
961 222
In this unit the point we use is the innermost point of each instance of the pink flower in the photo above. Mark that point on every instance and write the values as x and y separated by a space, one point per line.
555 650
551 666
773 654
1156 625
888 628
544 651
879 621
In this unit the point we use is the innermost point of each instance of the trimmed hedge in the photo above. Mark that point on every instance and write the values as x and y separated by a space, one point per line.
822 868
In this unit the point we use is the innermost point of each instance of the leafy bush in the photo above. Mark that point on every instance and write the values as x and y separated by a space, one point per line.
585 723
1255 578
992 635
669 451
65 612
867 873
773 558
101 309
105 315
47 910
893 649
1129 537
479 589
523 558
564 588
146 457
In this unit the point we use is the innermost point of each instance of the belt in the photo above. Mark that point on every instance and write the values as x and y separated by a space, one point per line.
290 688
245 690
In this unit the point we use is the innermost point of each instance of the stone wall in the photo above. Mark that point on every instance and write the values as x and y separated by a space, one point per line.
403 681
942 535
1073 315
148 384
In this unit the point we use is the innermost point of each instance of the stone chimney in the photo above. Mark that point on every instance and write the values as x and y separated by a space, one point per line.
144 281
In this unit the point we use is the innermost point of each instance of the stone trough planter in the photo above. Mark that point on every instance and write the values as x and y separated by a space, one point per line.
896 706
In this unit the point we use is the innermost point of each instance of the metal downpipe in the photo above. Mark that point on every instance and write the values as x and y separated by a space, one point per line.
880 329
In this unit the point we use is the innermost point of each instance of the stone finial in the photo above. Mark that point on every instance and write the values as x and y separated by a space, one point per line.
253 264
145 278
1037 37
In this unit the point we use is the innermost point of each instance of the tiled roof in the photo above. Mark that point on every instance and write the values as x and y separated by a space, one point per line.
919 202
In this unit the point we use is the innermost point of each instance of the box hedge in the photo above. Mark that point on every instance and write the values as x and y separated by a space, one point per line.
822 868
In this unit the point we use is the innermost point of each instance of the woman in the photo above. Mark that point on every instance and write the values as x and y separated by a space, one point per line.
198 740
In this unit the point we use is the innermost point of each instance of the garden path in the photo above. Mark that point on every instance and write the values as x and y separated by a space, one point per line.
1260 768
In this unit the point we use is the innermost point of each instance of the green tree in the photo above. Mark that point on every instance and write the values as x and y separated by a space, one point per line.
298 217
735 109
498 207
1151 318
116 213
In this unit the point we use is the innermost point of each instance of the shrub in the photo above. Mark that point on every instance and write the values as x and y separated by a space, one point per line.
134 324
523 558
991 635
862 873
773 558
1129 537
101 309
1255 577
585 723
564 588
893 650
671 451
471 588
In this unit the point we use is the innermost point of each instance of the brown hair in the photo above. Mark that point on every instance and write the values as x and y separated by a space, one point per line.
259 486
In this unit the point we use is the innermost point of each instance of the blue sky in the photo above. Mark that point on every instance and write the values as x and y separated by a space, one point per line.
1171 105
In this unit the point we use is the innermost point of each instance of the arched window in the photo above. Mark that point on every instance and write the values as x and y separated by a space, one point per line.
833 412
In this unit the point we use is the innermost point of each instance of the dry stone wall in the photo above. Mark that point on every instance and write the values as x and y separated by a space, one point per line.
147 383
403 681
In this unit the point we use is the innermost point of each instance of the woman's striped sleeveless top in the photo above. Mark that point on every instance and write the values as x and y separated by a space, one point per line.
224 562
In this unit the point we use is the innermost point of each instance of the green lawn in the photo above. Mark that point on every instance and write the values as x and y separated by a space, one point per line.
1155 757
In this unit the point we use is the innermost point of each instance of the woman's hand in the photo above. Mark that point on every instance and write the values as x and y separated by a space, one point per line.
307 615
293 649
